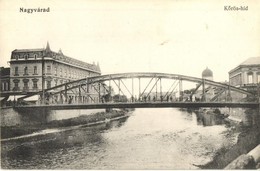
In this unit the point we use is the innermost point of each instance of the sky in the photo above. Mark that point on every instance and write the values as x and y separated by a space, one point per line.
169 36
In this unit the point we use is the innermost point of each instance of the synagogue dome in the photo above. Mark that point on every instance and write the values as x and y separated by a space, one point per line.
207 73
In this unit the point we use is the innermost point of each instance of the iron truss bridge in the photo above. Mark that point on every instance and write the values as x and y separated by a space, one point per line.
141 90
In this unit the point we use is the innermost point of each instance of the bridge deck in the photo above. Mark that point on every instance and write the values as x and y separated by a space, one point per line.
142 105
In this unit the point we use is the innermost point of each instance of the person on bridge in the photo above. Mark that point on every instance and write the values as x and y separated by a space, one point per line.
161 98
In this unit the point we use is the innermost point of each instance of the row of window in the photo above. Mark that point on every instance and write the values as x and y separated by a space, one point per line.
26 56
72 74
5 86
26 85
67 73
250 78
237 79
25 71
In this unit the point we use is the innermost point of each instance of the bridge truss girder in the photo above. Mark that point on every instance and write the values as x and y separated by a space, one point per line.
98 85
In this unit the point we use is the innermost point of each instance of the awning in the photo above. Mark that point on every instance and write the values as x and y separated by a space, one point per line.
32 98
12 97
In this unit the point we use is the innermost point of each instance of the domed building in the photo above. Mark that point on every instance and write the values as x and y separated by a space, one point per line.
207 74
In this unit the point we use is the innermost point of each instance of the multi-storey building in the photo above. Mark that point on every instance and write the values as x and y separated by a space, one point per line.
246 75
27 72
5 79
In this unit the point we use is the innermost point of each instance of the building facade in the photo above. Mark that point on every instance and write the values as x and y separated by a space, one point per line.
246 75
5 79
29 67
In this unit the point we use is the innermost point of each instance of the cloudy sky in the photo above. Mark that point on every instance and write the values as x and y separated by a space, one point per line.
170 36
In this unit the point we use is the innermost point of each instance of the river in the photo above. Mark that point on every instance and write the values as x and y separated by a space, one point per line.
148 139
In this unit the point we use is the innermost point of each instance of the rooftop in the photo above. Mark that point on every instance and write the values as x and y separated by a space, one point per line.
251 61
61 57
28 50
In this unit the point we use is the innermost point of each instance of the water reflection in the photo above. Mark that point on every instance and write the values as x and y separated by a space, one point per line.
209 118
38 152
149 139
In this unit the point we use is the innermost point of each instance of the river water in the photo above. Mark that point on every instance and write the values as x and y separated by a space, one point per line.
148 139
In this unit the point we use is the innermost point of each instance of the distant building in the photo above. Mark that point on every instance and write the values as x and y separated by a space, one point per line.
209 91
5 79
246 75
26 69
207 74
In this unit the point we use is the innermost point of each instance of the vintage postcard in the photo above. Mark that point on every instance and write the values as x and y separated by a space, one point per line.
130 85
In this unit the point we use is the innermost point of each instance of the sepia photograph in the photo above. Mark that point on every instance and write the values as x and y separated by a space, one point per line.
130 85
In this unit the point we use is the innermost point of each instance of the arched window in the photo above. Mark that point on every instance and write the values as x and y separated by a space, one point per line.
35 56
250 77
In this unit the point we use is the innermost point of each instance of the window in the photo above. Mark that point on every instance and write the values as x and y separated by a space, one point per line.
25 70
35 85
3 86
35 56
258 77
48 84
16 71
48 69
6 86
26 56
55 70
61 72
16 86
25 86
56 82
35 70
250 78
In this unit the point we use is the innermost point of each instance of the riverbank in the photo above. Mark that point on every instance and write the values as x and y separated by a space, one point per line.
96 118
248 138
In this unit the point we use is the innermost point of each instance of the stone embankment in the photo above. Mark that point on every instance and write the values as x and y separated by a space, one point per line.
100 117
250 160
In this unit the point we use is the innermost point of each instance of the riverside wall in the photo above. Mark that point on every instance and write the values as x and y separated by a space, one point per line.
10 117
